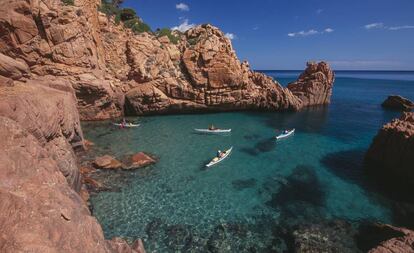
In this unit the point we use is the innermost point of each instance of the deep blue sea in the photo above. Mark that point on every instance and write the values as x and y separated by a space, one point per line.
177 205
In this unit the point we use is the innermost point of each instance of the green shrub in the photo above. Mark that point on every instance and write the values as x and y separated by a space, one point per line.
117 19
128 14
167 32
68 2
140 27
130 23
108 9
192 41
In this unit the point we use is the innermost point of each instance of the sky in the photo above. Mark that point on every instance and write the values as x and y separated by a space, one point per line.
285 34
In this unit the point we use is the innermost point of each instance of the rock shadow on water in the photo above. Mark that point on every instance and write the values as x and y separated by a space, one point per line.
242 184
309 120
347 164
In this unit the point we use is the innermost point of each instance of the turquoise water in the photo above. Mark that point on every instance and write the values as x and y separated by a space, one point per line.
178 205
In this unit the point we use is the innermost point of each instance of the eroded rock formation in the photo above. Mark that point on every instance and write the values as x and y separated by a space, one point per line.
314 85
391 154
108 65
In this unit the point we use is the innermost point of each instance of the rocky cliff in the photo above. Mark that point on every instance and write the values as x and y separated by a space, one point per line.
40 212
390 157
112 69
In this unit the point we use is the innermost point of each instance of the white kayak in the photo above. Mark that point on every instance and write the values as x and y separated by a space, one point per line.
285 135
216 160
127 125
215 131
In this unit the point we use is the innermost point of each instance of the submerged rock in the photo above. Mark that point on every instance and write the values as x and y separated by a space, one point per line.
121 246
179 237
398 103
243 184
302 187
329 236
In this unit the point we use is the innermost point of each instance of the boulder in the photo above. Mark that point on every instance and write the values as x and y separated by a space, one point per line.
398 103
88 144
139 160
107 162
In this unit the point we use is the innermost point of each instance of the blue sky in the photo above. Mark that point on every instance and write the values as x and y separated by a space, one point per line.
284 34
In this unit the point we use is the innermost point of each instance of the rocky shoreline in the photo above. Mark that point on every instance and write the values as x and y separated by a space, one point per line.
60 64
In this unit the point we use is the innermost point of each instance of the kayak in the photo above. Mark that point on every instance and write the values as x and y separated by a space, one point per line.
126 125
216 160
215 131
289 133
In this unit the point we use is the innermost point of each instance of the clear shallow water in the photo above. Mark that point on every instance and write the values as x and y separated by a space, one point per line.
177 205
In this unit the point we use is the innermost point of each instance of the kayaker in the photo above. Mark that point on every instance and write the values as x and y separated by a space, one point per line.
219 153
212 127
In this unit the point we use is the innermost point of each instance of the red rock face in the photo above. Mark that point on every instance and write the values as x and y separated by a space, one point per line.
39 211
50 115
391 154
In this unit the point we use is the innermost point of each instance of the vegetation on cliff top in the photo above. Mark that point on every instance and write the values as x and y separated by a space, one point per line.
131 20
127 16
167 32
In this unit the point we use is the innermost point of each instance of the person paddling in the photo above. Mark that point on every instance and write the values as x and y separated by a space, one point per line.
123 123
212 127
